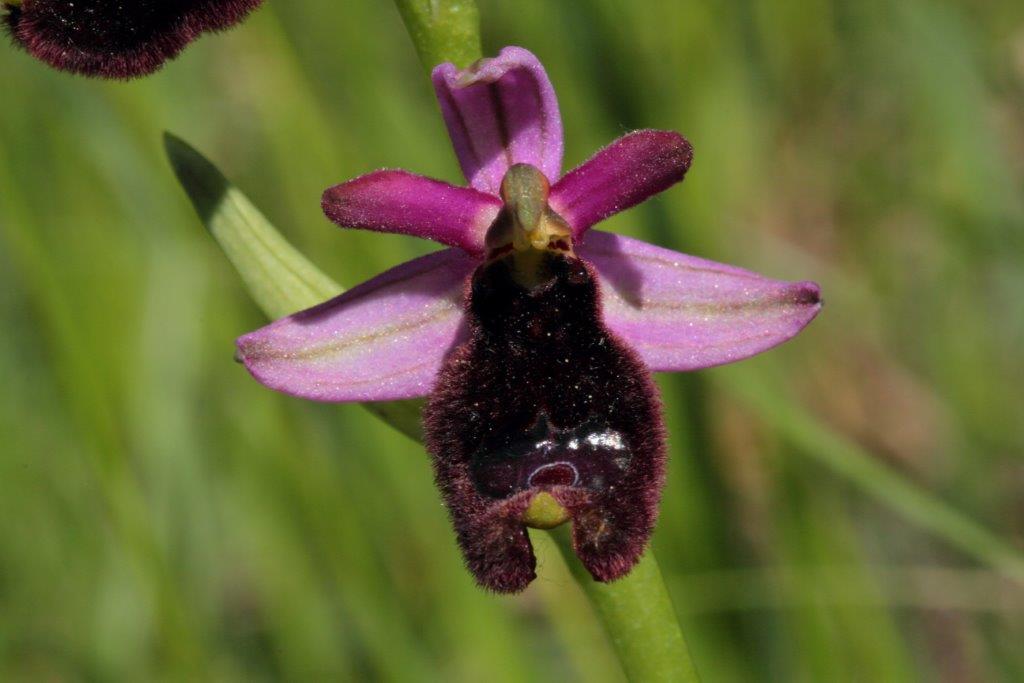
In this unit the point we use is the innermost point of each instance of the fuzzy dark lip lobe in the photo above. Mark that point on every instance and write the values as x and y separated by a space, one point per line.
489 477
97 39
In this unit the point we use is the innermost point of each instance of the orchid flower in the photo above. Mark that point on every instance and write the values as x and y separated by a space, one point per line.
533 335
114 38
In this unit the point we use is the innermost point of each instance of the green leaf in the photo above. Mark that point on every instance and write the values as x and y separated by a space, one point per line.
279 278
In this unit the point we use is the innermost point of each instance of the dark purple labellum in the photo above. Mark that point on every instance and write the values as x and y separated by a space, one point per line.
116 38
542 398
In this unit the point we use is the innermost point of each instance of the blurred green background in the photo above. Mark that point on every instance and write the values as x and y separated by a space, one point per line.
162 516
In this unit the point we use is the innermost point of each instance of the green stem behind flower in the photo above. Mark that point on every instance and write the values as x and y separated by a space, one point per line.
443 30
638 616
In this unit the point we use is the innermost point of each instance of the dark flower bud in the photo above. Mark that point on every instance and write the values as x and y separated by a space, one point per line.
116 38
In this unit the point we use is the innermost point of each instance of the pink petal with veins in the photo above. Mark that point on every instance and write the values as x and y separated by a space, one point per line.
385 339
681 313
501 111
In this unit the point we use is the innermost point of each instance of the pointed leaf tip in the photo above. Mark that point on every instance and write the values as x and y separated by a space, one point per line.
280 279
202 181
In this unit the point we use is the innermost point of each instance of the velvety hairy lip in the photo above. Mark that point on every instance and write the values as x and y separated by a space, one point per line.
543 398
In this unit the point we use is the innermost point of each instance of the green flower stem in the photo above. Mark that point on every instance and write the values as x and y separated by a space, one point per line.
443 30
638 616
